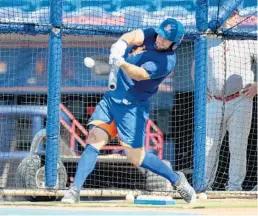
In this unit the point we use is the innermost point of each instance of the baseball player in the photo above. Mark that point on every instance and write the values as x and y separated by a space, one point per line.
145 58
231 89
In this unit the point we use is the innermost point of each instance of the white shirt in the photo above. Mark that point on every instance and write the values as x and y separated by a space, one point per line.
230 65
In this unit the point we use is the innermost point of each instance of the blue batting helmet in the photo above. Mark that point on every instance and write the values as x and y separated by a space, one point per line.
171 30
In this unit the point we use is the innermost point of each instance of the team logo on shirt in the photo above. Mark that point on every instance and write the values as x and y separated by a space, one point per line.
126 102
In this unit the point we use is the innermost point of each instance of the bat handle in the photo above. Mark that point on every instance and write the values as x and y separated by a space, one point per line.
112 81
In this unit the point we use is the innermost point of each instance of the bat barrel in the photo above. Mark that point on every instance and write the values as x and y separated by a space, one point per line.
112 81
112 86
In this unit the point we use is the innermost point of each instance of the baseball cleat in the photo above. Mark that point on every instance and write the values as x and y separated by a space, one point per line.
71 196
185 189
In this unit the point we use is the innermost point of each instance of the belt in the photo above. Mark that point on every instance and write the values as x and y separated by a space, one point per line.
228 98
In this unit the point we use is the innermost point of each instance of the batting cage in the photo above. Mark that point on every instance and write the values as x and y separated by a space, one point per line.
203 119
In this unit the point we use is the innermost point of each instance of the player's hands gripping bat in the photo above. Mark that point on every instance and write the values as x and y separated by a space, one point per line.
117 49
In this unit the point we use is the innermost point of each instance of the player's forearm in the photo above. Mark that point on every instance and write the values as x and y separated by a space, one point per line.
135 72
134 37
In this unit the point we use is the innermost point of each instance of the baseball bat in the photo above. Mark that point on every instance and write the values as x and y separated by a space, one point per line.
112 80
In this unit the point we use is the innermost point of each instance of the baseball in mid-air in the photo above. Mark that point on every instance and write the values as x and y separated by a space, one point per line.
89 62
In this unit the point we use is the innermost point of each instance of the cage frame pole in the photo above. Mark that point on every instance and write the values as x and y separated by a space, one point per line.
200 92
54 93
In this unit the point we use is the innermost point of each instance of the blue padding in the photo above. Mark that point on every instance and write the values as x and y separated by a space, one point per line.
56 9
8 3
54 94
250 3
200 113
54 98
155 202
202 15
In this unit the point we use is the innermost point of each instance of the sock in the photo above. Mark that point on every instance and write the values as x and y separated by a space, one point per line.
86 165
155 165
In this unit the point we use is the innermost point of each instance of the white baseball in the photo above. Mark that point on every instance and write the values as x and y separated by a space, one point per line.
203 196
89 62
129 197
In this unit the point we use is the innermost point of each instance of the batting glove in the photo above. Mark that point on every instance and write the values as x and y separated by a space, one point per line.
117 49
118 61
